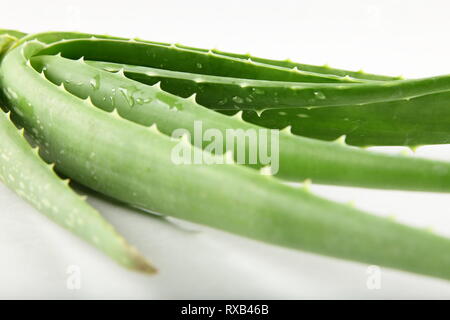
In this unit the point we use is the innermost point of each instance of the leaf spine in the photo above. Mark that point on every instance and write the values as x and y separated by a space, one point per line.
307 185
90 102
115 113
157 85
121 72
341 140
154 128
192 97
287 130
238 115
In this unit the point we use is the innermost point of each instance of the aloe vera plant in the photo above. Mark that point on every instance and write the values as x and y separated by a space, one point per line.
103 109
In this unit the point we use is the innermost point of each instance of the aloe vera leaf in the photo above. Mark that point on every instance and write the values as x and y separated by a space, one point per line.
296 95
132 163
417 121
22 170
410 122
331 74
30 177
217 92
178 59
202 61
299 159
398 122
325 69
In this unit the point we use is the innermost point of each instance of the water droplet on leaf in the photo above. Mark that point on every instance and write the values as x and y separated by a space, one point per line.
128 97
95 82
238 99
319 95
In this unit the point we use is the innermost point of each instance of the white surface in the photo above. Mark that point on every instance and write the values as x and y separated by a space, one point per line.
391 37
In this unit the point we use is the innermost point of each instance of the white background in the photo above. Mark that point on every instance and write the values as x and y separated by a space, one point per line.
390 37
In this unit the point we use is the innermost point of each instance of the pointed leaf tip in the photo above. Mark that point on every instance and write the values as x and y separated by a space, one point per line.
146 267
